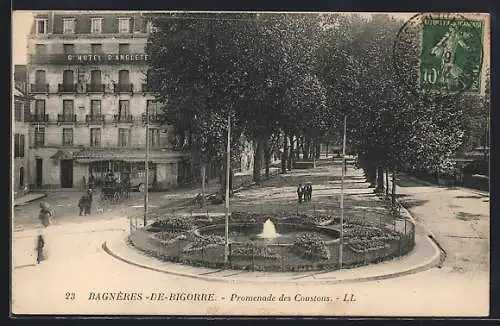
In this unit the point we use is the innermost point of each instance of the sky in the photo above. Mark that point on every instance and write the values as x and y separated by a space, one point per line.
21 25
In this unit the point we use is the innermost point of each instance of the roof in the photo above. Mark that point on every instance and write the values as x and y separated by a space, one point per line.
128 155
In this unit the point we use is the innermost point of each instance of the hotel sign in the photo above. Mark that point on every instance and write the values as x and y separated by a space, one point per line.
92 59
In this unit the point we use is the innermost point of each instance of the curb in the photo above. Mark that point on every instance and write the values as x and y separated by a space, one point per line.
31 200
428 264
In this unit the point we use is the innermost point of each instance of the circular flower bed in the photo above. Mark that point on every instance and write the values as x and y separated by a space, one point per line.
301 243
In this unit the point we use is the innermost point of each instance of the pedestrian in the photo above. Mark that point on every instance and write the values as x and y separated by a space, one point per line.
91 181
40 244
309 192
84 204
45 214
300 193
90 196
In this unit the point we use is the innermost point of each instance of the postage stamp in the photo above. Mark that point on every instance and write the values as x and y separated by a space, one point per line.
451 56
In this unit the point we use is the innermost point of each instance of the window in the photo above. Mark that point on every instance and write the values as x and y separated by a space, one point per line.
152 107
124 108
67 137
68 108
95 108
96 25
69 48
123 25
16 145
154 138
123 137
21 145
40 77
69 26
39 108
18 111
96 48
95 137
39 136
40 49
68 77
41 26
123 77
123 48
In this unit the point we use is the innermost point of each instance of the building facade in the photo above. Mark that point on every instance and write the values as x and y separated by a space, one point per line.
87 74
20 132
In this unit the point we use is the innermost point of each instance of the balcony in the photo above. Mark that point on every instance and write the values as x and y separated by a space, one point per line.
96 119
153 118
124 118
66 118
39 118
95 88
39 88
123 88
66 88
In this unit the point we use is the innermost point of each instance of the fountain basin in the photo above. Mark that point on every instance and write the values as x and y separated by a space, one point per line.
241 233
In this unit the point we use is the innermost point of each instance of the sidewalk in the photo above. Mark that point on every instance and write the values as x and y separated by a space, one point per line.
25 199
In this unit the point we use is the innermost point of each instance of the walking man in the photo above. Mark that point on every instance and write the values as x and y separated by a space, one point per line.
300 193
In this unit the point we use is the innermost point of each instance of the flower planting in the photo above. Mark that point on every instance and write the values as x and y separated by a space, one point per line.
311 246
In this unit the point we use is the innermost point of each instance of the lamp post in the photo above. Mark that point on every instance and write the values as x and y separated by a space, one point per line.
341 249
228 162
146 166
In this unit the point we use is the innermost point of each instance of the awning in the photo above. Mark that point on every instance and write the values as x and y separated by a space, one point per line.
128 155
62 155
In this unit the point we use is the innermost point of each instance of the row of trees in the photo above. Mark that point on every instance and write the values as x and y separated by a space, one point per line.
289 79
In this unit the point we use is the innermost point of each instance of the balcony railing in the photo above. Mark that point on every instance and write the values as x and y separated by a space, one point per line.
95 88
39 118
66 88
39 88
123 118
68 118
94 119
153 118
123 88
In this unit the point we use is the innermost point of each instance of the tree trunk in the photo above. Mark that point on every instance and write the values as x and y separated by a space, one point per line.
292 154
318 150
380 180
326 149
258 157
305 149
203 185
267 157
393 187
387 181
284 158
371 176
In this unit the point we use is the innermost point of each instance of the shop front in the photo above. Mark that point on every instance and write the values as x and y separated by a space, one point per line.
163 167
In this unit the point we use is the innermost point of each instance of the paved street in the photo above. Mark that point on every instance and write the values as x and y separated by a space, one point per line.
77 264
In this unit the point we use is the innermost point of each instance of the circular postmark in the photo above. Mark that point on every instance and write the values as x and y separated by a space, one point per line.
440 53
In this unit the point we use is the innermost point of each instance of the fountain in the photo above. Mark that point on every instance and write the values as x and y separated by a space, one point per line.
268 230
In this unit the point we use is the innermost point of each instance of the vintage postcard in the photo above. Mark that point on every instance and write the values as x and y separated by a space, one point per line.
250 163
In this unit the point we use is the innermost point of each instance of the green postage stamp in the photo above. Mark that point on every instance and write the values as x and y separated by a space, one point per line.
452 53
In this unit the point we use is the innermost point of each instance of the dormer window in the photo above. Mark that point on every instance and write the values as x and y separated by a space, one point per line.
124 25
41 26
96 25
68 25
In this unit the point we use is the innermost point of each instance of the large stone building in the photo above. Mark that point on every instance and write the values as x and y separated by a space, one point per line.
87 74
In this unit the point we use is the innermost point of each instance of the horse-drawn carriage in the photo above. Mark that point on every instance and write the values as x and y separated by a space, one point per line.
114 191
